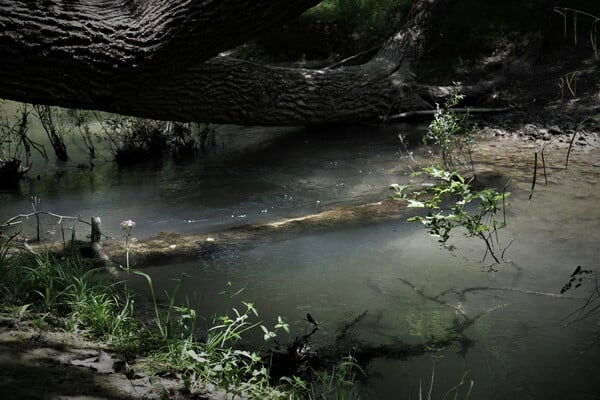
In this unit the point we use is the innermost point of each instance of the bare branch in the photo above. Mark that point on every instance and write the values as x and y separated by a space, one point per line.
18 219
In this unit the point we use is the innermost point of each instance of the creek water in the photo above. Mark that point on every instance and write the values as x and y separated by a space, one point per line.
518 347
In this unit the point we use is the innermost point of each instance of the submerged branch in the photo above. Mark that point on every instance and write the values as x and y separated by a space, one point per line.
461 293
431 298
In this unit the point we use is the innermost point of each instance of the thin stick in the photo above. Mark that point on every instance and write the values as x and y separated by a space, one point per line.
491 251
35 204
535 162
462 292
544 167
345 60
571 146
506 248
16 219
410 114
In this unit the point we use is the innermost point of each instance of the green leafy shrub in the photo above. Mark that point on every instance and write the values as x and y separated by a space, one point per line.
448 204
452 135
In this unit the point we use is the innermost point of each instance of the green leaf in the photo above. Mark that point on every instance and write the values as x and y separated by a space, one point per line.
415 204
267 334
400 189
196 357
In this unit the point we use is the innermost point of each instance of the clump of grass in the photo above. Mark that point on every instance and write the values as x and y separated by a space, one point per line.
213 356
337 383
70 293
68 288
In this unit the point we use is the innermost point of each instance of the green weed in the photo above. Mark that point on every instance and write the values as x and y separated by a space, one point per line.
367 22
338 383
454 392
359 12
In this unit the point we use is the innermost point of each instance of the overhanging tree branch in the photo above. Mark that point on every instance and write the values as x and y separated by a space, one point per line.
93 52
148 59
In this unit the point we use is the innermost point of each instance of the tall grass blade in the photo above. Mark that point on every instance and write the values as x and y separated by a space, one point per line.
544 166
533 182
159 324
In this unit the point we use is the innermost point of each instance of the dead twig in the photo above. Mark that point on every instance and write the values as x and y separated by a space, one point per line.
17 219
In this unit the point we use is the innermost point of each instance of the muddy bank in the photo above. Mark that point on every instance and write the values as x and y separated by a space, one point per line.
45 364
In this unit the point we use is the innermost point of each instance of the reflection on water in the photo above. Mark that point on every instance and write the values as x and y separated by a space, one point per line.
518 351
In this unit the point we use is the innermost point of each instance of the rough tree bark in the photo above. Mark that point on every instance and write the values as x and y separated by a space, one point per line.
156 59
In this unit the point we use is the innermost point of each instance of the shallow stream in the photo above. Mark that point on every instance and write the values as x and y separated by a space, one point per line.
519 349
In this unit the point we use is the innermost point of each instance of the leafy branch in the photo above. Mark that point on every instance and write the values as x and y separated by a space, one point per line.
448 207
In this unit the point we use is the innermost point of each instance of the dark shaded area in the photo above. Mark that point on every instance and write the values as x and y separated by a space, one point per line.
300 358
486 36
11 173
28 373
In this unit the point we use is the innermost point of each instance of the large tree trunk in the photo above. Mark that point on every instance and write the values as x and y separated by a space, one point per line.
149 59
91 53
226 90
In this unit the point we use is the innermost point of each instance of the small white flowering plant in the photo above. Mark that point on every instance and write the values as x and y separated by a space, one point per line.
127 226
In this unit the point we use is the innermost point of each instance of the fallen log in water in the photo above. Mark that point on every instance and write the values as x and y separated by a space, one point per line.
168 247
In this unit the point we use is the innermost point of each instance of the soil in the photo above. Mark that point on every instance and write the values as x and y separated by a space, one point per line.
38 363
41 362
